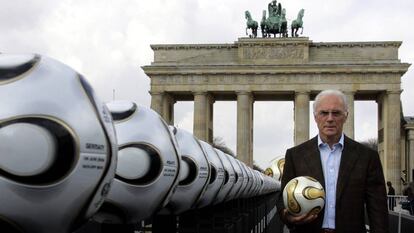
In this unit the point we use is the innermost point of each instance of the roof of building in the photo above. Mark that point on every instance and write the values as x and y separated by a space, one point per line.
409 121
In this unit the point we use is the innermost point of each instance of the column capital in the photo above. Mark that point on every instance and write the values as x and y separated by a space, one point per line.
244 93
302 92
200 92
409 126
411 134
349 92
156 92
397 92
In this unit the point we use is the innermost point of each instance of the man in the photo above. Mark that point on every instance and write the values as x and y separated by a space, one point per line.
391 194
350 173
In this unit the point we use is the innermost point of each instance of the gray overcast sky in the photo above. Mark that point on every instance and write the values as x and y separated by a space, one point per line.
108 41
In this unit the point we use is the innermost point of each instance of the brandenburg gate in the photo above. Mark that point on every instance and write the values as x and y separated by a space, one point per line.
289 69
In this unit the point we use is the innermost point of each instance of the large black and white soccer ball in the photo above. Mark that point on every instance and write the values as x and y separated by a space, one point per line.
194 174
148 163
303 195
57 143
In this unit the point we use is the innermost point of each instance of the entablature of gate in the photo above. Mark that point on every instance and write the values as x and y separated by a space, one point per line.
274 68
249 69
274 95
276 51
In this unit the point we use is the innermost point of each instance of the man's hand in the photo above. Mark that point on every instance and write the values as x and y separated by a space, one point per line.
298 220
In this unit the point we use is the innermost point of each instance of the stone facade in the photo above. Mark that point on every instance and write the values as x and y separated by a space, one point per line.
407 149
293 69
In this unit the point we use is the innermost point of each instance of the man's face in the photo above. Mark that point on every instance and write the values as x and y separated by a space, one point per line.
330 116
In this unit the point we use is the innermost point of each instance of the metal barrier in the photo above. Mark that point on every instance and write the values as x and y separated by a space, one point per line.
400 223
251 215
248 215
400 204
401 212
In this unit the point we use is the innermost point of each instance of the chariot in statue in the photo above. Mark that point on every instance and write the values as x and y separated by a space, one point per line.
275 23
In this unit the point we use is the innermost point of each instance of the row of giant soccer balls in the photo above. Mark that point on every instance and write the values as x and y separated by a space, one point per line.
65 155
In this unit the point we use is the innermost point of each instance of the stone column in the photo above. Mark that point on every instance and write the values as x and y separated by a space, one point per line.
301 115
244 127
349 124
157 102
210 118
392 126
380 136
410 151
200 116
168 108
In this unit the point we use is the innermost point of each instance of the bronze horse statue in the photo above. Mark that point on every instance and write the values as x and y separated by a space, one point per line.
297 23
283 24
252 24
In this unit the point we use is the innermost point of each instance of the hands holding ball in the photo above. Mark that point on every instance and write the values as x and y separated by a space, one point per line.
304 198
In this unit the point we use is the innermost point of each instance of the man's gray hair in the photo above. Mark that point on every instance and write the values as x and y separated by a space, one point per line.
330 92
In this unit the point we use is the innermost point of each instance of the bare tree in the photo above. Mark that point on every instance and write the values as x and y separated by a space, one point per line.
256 167
218 143
371 143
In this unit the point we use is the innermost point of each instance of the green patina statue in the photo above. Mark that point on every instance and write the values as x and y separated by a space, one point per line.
276 23
251 24
297 23
273 8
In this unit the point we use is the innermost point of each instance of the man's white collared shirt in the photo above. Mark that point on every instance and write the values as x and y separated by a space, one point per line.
331 159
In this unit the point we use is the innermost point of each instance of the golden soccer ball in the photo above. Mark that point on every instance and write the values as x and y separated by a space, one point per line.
303 195
275 169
